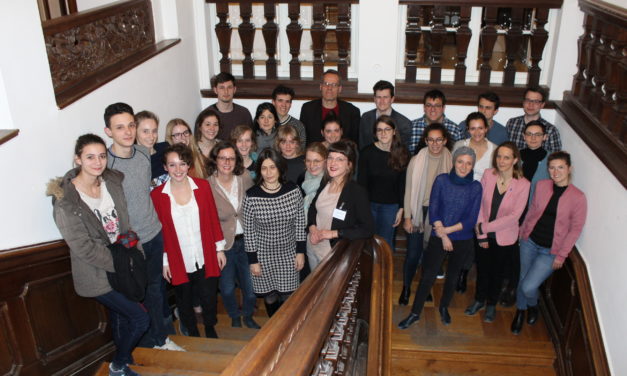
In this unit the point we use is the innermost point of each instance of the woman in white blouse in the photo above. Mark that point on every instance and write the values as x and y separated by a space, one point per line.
477 127
192 237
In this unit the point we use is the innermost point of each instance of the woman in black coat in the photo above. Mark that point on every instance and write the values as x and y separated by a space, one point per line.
341 209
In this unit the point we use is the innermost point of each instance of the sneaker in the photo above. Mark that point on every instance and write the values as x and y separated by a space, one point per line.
124 371
169 345
441 273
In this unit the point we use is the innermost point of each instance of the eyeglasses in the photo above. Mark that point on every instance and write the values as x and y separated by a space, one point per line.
433 105
384 130
529 134
435 140
330 84
226 159
534 101
182 134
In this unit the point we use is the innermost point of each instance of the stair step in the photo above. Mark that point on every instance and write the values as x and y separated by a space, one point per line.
471 339
209 345
190 360
412 367
156 371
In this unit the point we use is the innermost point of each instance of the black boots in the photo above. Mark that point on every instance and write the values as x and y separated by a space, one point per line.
474 308
532 315
250 323
461 281
444 315
508 297
404 298
412 318
517 323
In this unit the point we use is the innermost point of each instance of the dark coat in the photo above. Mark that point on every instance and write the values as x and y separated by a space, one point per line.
358 223
311 116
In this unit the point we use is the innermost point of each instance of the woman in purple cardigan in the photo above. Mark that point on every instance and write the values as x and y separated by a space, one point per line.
551 228
505 192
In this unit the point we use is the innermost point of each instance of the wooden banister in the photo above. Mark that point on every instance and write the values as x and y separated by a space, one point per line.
90 48
596 107
343 306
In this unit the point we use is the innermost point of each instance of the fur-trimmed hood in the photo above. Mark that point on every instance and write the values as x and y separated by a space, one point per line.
62 187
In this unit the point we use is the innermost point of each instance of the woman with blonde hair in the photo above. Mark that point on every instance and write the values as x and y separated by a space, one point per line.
315 163
505 192
178 131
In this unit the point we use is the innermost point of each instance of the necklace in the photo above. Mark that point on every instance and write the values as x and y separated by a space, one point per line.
276 188
503 182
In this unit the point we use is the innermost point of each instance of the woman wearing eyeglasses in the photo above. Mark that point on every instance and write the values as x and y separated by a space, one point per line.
382 172
431 161
229 182
341 209
178 131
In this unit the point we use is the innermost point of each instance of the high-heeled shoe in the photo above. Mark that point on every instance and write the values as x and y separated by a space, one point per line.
517 323
404 298
444 315
532 315
406 323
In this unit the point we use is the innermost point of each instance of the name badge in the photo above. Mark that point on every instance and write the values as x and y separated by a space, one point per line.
339 214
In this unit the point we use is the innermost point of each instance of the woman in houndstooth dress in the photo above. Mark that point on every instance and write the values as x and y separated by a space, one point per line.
274 231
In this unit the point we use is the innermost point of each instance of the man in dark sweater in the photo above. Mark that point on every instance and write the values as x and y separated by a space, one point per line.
231 114
314 112
383 99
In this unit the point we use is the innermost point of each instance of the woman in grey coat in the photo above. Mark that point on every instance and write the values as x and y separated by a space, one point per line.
90 212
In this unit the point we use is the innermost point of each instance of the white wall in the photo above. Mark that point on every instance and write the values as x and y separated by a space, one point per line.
166 84
603 243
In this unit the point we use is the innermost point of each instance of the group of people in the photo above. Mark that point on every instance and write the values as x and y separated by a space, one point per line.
259 202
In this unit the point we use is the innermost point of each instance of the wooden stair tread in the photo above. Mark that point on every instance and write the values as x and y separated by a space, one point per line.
209 345
156 371
189 360
413 366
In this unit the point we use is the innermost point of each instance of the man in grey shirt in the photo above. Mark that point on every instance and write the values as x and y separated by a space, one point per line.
134 162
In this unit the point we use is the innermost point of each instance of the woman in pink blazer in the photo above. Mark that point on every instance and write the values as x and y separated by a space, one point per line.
551 228
505 192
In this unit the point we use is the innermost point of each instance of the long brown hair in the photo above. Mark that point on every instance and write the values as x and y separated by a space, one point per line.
199 159
518 172
399 156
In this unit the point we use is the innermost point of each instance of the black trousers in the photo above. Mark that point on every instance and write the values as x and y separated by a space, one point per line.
432 260
206 290
491 263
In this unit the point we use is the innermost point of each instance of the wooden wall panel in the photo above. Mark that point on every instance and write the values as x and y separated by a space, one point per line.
572 320
45 327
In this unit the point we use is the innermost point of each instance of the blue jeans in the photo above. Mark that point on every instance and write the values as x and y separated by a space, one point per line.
412 257
128 321
154 300
384 216
536 265
237 270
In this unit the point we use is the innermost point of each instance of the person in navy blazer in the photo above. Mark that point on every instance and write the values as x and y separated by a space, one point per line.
383 99
312 113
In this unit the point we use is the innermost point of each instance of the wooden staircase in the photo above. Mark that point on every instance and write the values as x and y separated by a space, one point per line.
468 346
204 356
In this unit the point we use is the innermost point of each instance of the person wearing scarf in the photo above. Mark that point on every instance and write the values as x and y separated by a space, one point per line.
453 210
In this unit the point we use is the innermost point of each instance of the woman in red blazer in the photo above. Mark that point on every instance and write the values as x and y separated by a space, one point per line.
551 228
505 192
192 237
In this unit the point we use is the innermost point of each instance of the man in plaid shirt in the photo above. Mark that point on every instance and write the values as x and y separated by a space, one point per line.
434 105
534 100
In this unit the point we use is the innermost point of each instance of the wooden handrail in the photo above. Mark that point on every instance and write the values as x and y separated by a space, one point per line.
596 106
357 277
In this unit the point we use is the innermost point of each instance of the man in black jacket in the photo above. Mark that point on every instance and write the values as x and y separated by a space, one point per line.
314 112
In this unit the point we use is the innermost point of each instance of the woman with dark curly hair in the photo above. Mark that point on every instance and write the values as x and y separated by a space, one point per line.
274 231
265 125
